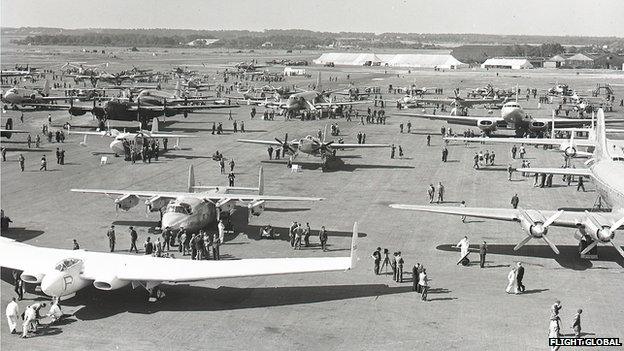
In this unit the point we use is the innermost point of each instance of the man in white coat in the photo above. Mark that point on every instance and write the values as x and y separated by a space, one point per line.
12 313
30 317
463 245
221 228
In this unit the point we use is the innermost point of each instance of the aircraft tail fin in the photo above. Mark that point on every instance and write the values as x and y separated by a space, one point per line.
155 125
601 152
46 88
354 247
261 181
191 179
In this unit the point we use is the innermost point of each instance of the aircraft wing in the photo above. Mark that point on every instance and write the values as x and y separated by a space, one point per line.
203 195
165 135
566 219
462 120
180 107
100 265
102 133
526 141
561 171
343 103
266 142
357 146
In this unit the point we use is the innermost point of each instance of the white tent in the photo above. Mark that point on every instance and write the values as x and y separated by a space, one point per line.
444 61
510 63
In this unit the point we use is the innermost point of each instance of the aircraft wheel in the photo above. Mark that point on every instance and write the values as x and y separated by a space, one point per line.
465 261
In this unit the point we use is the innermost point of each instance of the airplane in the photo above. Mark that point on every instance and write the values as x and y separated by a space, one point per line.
81 68
196 85
136 140
62 273
313 146
8 130
196 210
19 71
512 116
22 96
606 169
247 67
459 104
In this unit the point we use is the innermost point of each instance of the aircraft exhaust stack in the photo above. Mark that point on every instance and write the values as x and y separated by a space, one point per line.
191 179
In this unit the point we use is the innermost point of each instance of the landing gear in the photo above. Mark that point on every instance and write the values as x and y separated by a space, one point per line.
324 163
155 294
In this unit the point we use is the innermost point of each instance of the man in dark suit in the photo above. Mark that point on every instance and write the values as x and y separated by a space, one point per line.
519 276
482 252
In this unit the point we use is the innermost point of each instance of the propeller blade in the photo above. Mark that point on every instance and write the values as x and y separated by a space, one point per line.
589 248
617 224
618 248
522 243
550 243
554 217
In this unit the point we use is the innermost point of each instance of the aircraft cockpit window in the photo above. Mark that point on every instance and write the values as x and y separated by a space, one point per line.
179 208
66 264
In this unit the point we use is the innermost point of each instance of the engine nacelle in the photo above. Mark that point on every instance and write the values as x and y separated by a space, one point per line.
31 277
76 111
538 126
226 205
568 149
127 202
597 232
256 207
170 112
536 230
109 283
486 125
156 203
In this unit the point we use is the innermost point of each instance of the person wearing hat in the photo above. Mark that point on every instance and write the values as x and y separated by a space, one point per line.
482 253
133 239
111 238
520 276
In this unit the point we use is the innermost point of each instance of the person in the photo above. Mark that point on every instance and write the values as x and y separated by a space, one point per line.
270 151
222 166
576 323
267 232
423 282
415 277
231 178
377 260
167 236
18 285
393 265
515 201
221 229
149 246
482 253
12 313
44 164
306 235
3 154
463 205
428 140
463 246
111 238
76 246
21 160
323 238
444 154
215 247
510 171
133 239
440 192
399 262
182 241
298 236
431 193
553 329
392 150
30 317
512 287
522 151
555 308
55 312
232 165
291 233
520 276
580 184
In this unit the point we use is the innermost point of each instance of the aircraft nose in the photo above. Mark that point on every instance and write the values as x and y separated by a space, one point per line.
117 147
173 220
53 284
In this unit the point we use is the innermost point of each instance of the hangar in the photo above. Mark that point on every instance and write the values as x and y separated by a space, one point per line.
509 63
443 61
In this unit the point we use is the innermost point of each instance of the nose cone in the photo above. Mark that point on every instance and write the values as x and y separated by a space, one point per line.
174 220
53 284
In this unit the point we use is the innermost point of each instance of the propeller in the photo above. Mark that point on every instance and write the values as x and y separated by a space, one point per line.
285 145
537 228
602 233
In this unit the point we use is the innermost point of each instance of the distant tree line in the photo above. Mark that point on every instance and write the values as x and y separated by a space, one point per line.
100 39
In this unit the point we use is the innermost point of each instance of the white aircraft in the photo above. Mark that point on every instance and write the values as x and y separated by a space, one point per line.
512 116
62 273
135 139
606 169
18 96
313 146
196 210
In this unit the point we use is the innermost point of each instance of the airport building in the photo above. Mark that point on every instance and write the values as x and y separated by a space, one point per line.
441 61
507 63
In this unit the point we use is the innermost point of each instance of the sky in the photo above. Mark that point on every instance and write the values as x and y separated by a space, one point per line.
541 17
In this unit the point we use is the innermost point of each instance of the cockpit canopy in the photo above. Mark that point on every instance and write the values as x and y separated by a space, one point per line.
67 263
182 208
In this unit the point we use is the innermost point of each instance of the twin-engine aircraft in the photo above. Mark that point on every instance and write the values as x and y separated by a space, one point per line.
196 210
62 273
606 170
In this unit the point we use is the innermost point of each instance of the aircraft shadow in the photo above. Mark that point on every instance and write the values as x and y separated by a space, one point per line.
567 258
187 157
181 297
337 165
21 234
25 149
581 209
291 209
